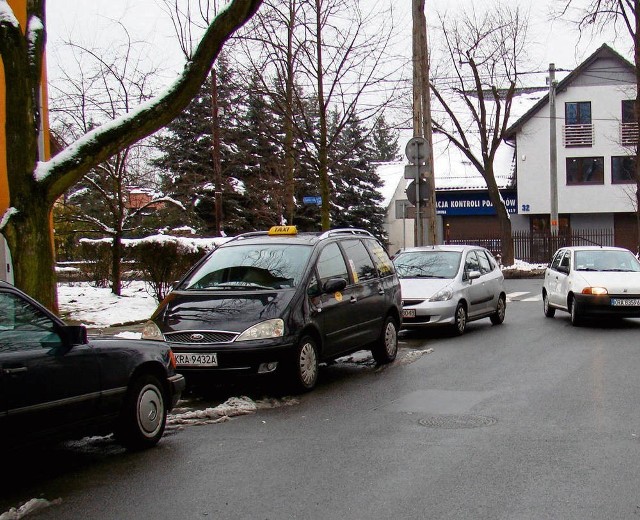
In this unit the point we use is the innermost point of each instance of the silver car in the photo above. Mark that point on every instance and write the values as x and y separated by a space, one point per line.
592 281
450 285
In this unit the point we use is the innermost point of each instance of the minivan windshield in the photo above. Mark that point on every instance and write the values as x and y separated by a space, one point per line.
427 264
250 266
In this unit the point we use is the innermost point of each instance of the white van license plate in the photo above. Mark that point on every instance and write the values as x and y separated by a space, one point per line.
625 302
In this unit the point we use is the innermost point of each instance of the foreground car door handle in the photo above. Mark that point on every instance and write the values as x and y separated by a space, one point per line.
15 370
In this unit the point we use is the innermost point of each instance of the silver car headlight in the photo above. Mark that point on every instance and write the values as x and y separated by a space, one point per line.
266 329
152 331
442 295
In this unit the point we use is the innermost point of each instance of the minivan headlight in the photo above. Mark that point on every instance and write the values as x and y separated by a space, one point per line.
266 329
442 295
152 331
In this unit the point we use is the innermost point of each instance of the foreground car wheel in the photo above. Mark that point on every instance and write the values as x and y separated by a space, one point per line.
549 311
498 317
576 319
304 366
144 414
386 347
460 324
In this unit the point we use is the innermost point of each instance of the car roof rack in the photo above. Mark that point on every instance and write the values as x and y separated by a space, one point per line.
249 234
345 231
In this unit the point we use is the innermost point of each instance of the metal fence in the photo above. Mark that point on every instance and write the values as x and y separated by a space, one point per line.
537 248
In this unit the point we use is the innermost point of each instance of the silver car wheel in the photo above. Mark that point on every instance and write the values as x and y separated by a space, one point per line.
461 319
391 339
308 364
150 410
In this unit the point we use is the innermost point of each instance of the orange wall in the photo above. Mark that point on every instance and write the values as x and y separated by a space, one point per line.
20 10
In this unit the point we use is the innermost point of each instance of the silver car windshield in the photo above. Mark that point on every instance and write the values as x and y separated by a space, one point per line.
250 266
428 264
606 260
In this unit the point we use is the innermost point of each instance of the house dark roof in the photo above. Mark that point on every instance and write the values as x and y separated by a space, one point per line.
603 52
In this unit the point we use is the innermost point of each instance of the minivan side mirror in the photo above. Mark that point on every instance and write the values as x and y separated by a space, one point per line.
334 285
563 269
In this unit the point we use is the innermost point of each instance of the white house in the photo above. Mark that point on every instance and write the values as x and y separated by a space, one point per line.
596 133
463 206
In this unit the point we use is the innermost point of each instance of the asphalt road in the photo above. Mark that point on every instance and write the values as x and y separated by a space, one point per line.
532 419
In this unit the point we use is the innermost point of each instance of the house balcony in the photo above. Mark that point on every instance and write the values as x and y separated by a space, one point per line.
577 135
628 134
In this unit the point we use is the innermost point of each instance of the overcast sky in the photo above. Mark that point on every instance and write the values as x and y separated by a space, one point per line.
94 21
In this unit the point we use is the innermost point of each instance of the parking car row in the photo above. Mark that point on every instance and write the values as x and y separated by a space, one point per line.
266 302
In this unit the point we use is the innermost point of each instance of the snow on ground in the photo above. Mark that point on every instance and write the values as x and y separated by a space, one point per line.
95 307
80 302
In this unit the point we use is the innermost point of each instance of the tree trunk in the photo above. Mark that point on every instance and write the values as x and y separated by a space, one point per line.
288 122
506 240
323 153
636 56
30 240
116 258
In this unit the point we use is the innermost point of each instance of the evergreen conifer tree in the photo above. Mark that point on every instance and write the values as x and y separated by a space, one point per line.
186 162
356 186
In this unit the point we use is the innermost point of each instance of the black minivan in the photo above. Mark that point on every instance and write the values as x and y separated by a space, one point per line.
282 301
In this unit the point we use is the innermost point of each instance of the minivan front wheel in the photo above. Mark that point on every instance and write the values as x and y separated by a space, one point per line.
385 349
304 365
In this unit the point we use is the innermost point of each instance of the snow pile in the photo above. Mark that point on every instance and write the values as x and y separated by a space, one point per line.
33 505
232 407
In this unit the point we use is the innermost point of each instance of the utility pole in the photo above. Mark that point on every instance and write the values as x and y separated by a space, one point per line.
553 151
422 127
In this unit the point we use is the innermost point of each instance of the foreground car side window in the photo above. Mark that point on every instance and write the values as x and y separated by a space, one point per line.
23 326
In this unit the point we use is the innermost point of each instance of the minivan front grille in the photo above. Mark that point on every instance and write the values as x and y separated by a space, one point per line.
200 337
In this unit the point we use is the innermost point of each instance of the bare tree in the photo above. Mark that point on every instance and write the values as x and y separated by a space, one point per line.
35 186
596 16
476 91
102 85
329 52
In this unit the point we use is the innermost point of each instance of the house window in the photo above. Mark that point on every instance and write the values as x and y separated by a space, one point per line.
628 124
585 170
577 130
623 170
628 112
578 113
541 224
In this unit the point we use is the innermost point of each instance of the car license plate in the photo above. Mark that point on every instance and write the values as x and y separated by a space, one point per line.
625 302
192 359
408 313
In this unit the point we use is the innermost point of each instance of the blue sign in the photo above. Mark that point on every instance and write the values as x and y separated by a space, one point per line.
452 203
312 200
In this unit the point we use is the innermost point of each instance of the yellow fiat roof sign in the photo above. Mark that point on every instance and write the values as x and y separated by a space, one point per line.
283 230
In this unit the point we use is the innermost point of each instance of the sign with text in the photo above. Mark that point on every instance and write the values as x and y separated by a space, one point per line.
452 203
312 200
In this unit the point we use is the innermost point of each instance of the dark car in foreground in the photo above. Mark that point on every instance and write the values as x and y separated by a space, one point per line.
56 383
282 301
592 281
